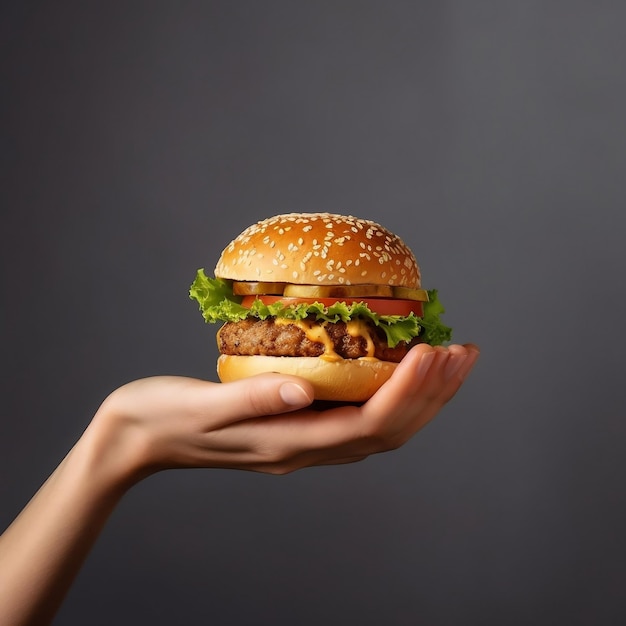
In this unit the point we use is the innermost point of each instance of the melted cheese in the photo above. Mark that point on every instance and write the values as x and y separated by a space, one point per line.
317 333
358 328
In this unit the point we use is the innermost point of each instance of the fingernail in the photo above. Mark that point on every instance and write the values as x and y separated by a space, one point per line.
424 364
294 395
468 363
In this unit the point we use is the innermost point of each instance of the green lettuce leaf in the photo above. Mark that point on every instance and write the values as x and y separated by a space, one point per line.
218 304
216 299
435 331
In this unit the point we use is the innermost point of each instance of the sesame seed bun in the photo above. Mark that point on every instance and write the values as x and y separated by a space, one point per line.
319 249
348 380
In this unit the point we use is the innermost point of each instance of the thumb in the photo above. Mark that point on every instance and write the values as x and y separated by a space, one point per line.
264 394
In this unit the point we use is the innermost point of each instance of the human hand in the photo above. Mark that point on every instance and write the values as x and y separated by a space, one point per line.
267 423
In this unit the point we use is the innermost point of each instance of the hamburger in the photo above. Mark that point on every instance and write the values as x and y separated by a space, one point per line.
331 298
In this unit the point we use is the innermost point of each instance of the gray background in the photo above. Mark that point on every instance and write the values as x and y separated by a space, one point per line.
138 138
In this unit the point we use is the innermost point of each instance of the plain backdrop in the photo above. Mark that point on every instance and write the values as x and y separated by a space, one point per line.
139 138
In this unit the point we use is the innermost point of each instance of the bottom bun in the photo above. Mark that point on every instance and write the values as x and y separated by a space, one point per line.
349 380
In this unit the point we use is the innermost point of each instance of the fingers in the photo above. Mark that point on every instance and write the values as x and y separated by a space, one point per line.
407 382
425 373
424 381
265 394
458 368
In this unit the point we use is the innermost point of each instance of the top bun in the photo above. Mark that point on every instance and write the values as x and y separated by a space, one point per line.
319 249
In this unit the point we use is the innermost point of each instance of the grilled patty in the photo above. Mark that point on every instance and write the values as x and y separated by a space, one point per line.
263 337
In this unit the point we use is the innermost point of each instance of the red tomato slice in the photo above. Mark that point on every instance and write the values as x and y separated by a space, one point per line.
382 306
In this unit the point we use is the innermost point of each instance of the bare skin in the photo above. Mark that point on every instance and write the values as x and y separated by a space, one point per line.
263 424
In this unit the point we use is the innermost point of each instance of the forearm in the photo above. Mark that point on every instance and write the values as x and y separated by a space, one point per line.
44 548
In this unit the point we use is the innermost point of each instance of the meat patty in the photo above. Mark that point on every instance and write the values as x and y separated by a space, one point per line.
263 337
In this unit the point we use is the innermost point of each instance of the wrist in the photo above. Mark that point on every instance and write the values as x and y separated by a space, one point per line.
116 448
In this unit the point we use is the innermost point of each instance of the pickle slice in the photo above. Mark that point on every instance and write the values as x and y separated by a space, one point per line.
404 293
245 288
253 289
338 291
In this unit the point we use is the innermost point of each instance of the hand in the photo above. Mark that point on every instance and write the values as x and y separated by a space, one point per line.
267 423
